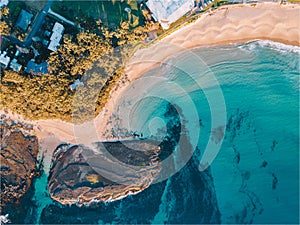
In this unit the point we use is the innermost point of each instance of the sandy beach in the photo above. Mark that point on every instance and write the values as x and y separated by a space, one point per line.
229 24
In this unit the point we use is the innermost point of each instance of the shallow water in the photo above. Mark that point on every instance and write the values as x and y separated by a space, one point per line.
256 171
239 103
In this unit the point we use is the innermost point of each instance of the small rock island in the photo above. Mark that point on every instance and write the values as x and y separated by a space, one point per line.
106 171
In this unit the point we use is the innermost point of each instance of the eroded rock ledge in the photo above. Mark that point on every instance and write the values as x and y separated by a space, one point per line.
18 159
105 171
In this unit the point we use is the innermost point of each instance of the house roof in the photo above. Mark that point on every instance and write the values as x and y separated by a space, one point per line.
37 68
15 66
3 3
58 28
24 20
53 45
56 36
168 11
77 83
4 59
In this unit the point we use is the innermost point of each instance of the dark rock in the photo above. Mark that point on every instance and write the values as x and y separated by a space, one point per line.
104 172
18 162
274 181
264 164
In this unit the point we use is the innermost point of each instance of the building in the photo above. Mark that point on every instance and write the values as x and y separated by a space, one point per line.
24 20
15 66
4 59
36 69
3 3
57 32
167 12
77 83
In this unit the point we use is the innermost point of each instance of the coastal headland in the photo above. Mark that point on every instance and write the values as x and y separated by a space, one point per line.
75 172
226 25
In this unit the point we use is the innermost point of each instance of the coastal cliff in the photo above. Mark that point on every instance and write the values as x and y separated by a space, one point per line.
108 171
18 159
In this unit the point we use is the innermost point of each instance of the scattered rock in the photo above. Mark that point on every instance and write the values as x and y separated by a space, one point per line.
274 144
264 164
274 181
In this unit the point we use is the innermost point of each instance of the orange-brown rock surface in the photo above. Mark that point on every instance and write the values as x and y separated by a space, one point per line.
105 172
18 159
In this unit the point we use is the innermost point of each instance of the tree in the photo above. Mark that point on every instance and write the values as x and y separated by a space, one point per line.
4 28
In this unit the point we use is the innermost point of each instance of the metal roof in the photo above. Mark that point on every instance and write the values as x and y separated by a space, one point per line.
15 66
56 36
24 20
77 83
4 59
37 68
168 11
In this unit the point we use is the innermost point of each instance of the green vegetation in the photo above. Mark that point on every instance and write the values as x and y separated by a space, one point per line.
220 3
111 13
4 28
92 178
95 54
16 6
96 59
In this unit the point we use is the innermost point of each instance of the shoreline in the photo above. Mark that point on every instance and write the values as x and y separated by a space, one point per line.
287 32
227 25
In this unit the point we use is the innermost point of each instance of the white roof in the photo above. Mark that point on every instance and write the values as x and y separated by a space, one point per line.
15 66
168 11
77 83
4 59
58 28
56 36
53 46
3 3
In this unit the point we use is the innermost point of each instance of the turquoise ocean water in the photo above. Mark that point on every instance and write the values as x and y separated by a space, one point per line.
254 177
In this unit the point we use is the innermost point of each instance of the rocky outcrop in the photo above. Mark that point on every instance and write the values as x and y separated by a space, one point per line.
18 160
105 171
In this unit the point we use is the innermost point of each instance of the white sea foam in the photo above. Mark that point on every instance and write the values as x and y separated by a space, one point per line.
276 46
279 46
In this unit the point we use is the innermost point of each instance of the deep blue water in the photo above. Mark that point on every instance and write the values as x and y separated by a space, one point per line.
239 103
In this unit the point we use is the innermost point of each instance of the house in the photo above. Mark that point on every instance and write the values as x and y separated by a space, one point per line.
3 3
57 32
167 12
77 83
36 69
15 66
4 59
17 53
24 20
